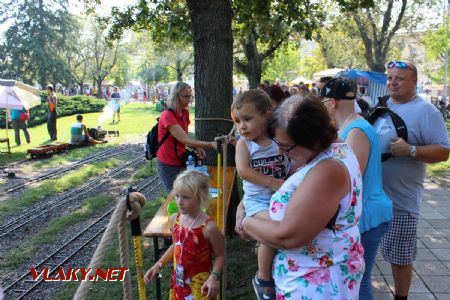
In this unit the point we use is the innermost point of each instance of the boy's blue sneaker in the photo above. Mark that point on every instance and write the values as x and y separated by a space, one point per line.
264 289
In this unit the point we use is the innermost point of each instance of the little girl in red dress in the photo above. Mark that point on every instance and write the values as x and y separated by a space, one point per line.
196 240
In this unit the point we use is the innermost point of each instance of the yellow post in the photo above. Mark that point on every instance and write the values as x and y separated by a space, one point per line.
139 267
136 233
219 185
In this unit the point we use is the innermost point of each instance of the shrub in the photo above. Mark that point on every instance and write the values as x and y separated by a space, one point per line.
67 106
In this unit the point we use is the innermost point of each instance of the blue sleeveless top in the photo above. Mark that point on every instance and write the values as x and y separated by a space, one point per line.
377 206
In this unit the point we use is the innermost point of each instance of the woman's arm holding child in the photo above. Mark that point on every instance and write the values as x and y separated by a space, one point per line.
247 173
211 286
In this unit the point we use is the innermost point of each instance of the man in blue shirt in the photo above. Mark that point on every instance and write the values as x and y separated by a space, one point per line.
18 124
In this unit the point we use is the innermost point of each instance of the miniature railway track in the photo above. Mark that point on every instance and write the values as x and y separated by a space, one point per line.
96 157
36 213
24 285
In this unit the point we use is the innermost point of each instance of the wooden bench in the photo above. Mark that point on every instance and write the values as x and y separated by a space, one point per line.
6 140
159 226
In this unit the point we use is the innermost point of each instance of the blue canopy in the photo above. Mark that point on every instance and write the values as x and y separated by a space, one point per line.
372 76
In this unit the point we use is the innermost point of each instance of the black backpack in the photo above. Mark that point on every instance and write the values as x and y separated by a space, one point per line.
380 109
152 145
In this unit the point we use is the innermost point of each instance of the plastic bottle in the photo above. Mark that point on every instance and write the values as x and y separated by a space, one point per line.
172 208
201 168
190 163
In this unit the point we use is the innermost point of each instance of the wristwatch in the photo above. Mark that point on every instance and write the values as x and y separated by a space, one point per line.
413 151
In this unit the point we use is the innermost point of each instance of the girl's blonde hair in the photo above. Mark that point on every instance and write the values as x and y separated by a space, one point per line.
173 100
195 183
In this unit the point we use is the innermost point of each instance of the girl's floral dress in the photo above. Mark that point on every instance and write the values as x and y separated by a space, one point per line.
196 261
331 266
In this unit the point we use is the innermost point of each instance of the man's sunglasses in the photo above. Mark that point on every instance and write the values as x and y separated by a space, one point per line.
398 65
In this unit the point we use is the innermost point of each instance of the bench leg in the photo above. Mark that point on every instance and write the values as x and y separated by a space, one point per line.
157 253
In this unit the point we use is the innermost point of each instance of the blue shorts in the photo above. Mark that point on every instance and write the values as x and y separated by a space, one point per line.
256 203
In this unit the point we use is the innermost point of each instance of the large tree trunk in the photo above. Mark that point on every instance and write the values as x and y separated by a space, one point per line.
213 66
179 70
99 88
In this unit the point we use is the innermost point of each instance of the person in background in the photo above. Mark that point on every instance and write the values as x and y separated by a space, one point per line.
276 94
19 123
322 82
175 119
52 113
339 95
115 104
79 134
404 173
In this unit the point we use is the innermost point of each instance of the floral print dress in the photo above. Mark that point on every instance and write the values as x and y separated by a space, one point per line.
196 261
331 266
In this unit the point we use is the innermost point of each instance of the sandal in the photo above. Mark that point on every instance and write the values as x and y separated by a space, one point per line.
264 289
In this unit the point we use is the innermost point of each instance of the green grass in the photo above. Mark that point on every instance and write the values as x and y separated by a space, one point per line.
50 232
145 171
49 187
136 121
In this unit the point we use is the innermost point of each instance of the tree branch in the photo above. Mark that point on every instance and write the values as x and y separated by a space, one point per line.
367 41
395 28
271 49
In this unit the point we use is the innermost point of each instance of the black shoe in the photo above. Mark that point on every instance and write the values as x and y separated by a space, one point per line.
264 289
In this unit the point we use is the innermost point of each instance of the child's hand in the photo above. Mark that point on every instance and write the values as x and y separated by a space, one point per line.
275 183
211 287
231 140
151 273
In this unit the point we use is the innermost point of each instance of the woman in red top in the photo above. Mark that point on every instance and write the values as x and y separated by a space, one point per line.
176 120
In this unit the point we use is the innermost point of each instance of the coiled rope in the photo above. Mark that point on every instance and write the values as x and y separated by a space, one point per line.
118 220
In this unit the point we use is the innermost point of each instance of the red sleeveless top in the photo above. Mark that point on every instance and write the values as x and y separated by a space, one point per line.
196 260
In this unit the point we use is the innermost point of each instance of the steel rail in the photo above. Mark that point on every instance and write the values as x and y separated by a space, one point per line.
49 260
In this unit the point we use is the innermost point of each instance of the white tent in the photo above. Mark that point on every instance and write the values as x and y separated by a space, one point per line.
17 95
300 79
328 72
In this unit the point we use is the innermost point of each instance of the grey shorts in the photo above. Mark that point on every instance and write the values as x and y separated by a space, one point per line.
167 174
399 244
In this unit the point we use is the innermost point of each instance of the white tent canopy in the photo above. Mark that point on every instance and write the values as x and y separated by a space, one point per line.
300 79
17 95
328 72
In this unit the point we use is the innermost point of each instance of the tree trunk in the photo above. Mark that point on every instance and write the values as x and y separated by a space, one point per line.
213 66
179 70
81 91
99 88
253 68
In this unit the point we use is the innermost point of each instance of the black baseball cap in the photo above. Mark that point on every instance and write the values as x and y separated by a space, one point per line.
338 88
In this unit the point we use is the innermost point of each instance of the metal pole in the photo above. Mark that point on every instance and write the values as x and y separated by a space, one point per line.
444 109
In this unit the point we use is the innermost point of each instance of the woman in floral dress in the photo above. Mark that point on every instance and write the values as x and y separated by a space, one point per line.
315 212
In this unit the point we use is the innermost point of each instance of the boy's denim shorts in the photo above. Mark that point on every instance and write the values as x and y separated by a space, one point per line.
256 203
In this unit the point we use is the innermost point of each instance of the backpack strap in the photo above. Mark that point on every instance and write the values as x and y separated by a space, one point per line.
166 136
400 126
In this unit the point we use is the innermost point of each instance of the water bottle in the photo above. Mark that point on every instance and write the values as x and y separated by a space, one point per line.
190 165
201 168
